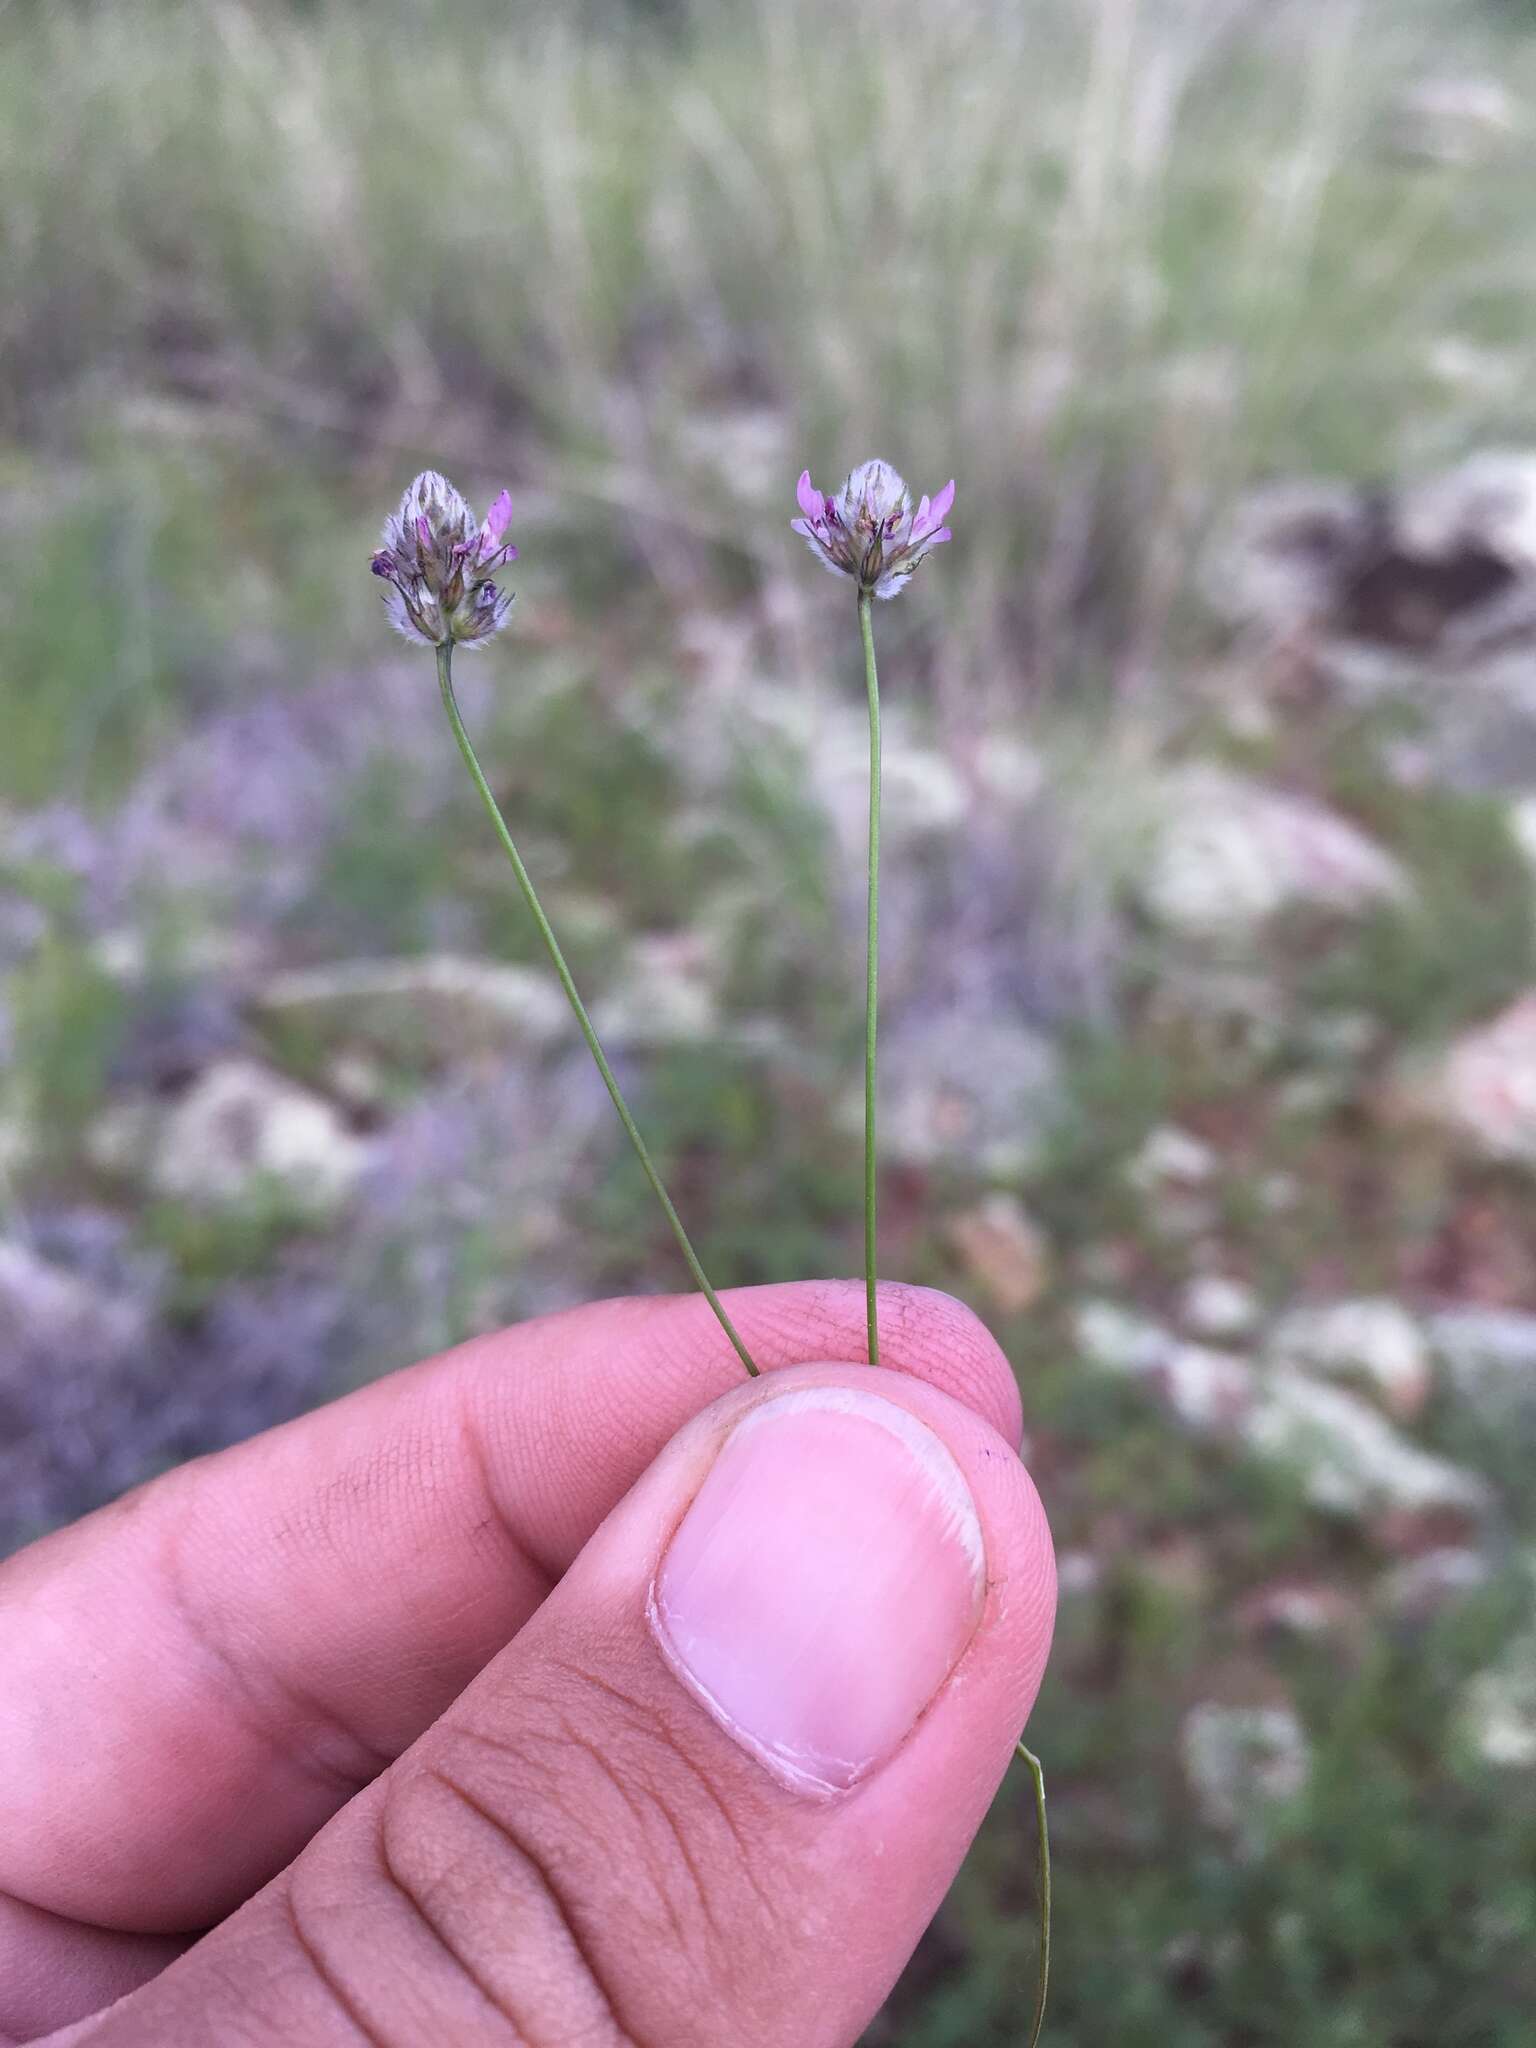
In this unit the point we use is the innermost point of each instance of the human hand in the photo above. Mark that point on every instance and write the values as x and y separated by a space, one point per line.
564 1689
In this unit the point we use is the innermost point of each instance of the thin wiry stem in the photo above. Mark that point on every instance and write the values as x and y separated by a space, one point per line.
557 959
1043 1978
871 970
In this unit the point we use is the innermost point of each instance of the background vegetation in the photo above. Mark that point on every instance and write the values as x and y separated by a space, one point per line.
1113 264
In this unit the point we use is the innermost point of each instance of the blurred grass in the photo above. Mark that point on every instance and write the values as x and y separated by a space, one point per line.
1109 262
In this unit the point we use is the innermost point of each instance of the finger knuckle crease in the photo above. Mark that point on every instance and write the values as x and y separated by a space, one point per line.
662 1743
311 1952
530 1866
417 1902
657 1761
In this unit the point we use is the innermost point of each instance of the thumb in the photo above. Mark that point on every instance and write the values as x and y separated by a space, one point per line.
713 1791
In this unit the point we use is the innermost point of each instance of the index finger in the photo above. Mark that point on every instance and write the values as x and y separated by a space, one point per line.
194 1679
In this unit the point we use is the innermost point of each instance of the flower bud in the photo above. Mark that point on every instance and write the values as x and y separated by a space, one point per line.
438 565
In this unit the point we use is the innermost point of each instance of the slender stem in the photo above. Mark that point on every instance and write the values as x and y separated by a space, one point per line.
1042 1982
557 958
871 969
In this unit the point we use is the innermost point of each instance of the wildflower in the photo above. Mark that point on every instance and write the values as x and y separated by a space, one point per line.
439 565
870 531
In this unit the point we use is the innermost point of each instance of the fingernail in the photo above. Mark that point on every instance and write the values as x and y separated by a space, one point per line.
823 1584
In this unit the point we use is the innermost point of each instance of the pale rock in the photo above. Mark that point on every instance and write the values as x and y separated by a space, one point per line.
358 1082
1004 1249
922 794
1372 1340
664 993
241 1128
1233 853
1422 1587
45 1308
1488 502
1009 771
1207 1389
439 1005
1484 1088
1498 1709
1217 1307
1242 1765
1300 1608
1352 1461
1119 1340
1079 1574
970 1089
1274 562
1171 1154
210 952
1489 1355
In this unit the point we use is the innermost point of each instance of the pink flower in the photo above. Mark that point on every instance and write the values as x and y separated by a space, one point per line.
438 565
870 530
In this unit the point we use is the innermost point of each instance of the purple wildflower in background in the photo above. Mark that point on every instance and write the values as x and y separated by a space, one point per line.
870 531
439 565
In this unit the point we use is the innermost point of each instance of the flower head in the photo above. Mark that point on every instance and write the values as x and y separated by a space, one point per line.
438 565
870 530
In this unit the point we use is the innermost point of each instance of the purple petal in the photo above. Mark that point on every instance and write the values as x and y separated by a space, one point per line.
423 530
929 516
499 517
935 539
496 523
808 498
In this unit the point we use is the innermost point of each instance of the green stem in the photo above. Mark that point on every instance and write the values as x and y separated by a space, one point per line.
871 969
1042 1982
557 958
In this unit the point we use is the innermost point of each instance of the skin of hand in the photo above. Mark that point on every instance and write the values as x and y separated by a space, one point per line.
565 1689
